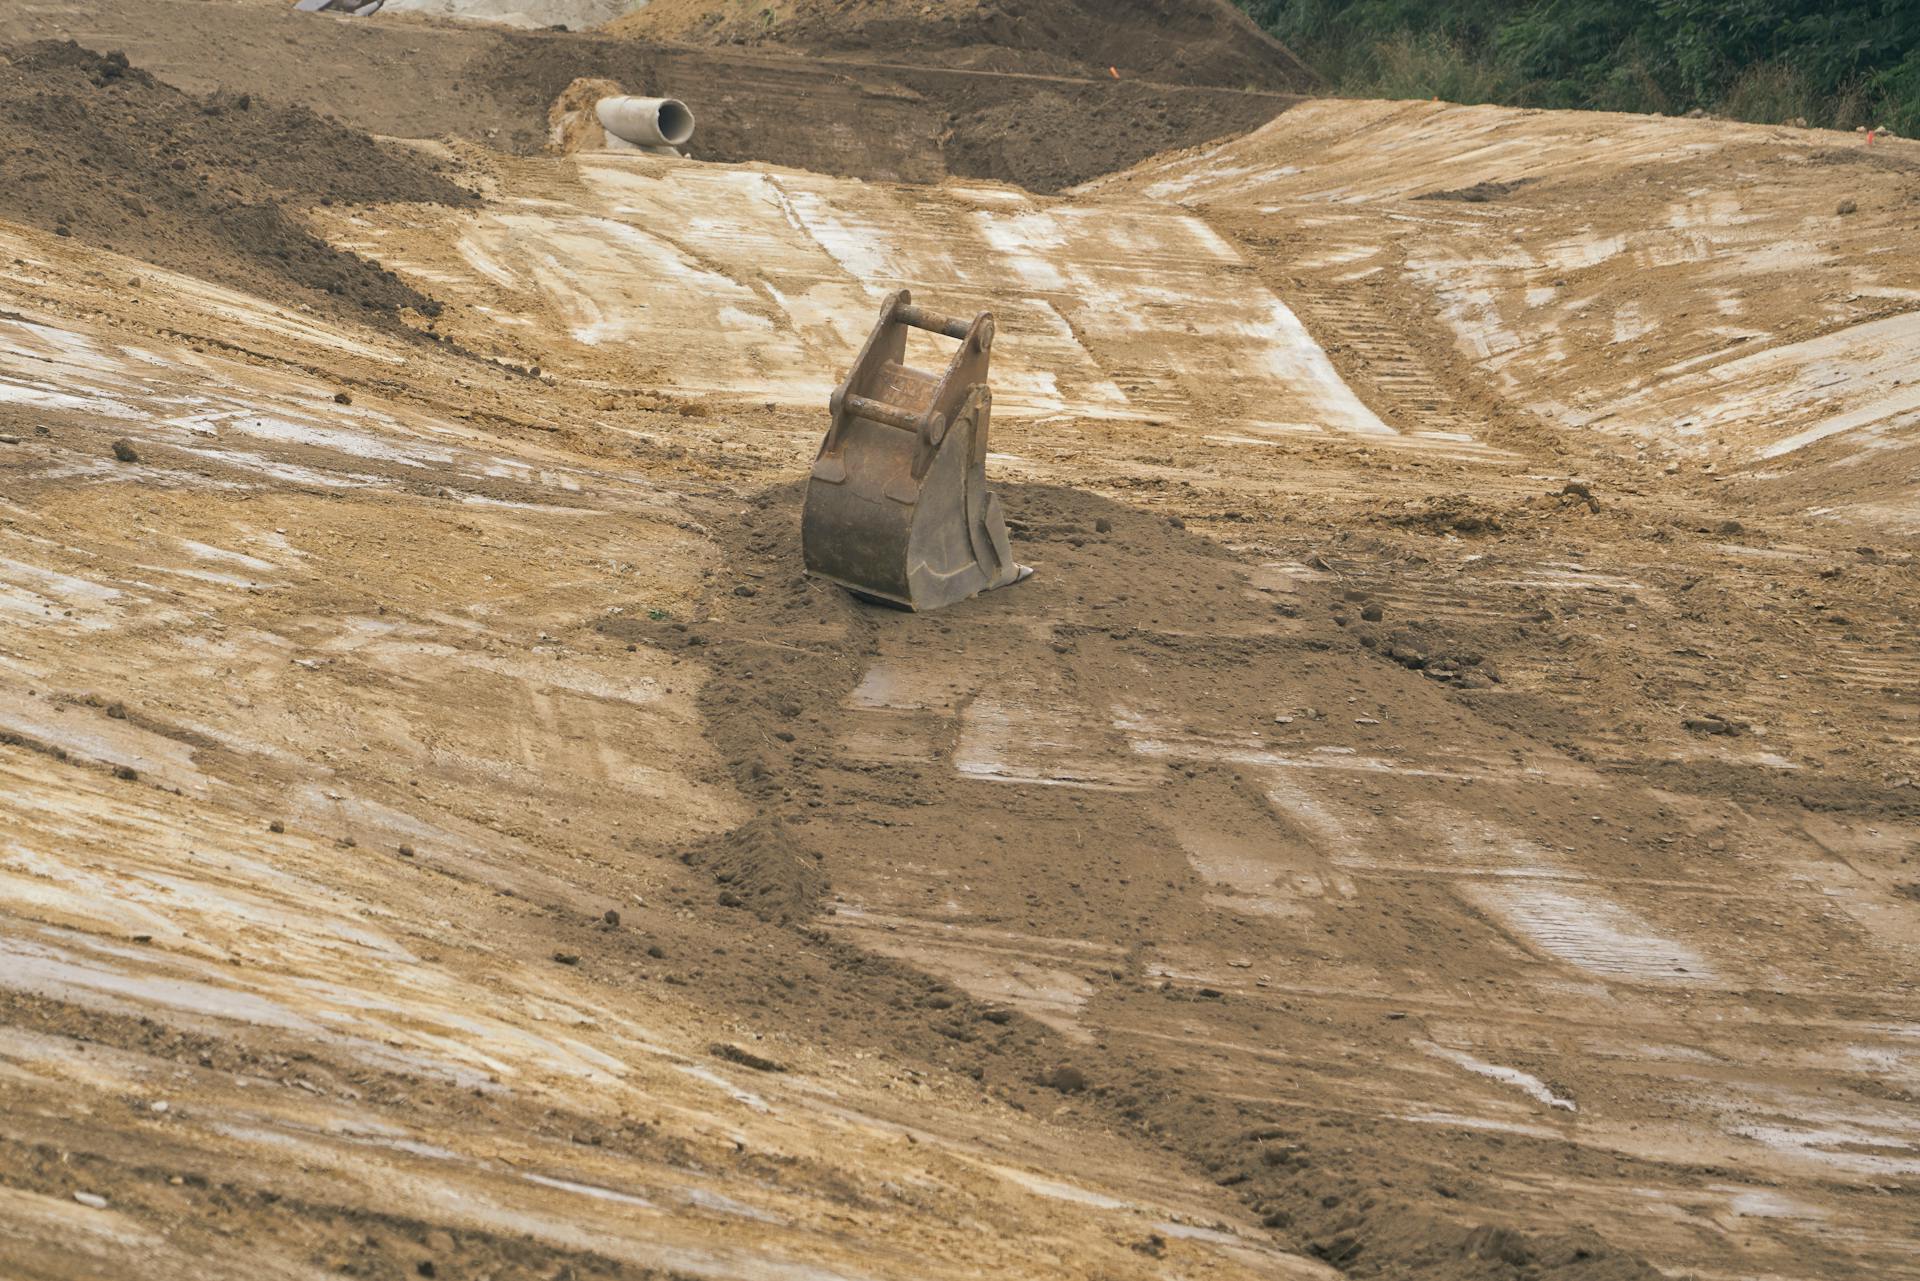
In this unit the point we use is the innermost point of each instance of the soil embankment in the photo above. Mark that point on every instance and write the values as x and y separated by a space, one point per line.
208 185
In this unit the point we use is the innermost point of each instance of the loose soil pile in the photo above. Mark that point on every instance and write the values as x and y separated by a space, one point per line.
1192 42
101 150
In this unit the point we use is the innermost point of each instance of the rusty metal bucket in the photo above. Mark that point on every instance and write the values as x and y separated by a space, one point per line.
897 505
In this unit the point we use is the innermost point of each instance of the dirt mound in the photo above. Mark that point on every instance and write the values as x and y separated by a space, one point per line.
1201 42
102 151
759 866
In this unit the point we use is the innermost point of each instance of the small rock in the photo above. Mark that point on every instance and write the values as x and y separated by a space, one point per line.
610 916
1844 208
92 1200
126 772
158 1105
1176 522
744 590
1102 526
276 826
567 958
657 952
123 450
9 440
424 1267
1373 613
406 851
341 398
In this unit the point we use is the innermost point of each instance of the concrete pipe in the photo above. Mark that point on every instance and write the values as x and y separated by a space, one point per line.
646 122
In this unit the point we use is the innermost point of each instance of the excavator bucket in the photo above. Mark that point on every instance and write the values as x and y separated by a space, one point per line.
897 505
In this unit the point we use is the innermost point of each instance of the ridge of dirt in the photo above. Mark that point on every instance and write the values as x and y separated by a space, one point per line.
207 185
1189 42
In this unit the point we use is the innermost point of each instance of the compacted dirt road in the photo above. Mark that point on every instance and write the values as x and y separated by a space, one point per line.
1444 805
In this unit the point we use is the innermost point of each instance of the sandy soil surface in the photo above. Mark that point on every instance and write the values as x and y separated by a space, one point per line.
1444 806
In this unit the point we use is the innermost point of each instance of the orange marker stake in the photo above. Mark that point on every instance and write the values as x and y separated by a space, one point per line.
1114 72
1870 134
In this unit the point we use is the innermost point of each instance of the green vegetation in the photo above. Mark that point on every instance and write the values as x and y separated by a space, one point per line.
1837 63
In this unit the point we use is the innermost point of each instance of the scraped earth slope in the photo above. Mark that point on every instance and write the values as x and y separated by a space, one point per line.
1397 830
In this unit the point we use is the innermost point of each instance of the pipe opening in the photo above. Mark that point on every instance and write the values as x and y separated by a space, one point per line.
675 122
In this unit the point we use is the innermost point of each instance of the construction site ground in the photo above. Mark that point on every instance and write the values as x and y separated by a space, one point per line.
1444 806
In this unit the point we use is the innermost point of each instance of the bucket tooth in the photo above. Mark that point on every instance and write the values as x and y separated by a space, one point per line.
897 504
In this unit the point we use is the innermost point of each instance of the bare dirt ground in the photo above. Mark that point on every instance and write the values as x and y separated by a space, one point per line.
1194 42
889 115
1443 807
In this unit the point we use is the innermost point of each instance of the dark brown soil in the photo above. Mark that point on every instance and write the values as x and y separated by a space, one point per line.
1041 134
1065 134
210 186
1184 42
917 121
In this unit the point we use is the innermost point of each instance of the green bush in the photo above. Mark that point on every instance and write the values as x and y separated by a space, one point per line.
1832 62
